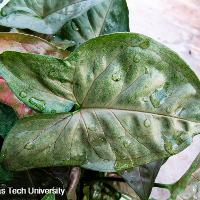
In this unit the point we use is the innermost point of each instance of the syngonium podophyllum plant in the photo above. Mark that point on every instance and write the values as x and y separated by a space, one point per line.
109 112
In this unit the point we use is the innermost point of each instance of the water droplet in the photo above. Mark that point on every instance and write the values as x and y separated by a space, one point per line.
146 70
145 44
67 108
22 94
116 77
145 99
53 111
126 143
29 146
195 197
170 147
39 104
147 123
194 188
68 63
155 102
157 97
3 13
136 58
125 172
168 109
74 26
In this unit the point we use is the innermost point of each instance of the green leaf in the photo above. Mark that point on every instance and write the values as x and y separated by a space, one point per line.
44 16
49 197
142 178
108 17
23 43
99 191
5 175
139 102
8 118
40 82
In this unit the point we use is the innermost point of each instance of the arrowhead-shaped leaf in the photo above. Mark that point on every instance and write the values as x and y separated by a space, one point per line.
139 103
44 16
108 17
23 43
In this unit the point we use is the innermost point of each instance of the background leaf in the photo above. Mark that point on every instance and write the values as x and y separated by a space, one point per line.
142 178
29 43
43 16
139 103
7 119
49 197
23 43
108 17
43 83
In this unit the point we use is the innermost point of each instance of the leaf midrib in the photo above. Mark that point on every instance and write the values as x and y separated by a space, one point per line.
138 111
104 20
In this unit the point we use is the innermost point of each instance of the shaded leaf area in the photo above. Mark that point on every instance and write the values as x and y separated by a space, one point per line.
28 43
107 17
125 190
99 191
142 178
43 16
139 103
8 118
38 178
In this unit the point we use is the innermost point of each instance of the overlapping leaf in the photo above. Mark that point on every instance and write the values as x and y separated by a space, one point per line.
23 43
44 16
108 17
28 43
142 178
139 103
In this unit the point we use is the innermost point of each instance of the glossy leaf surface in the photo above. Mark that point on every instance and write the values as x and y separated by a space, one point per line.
40 82
44 16
108 17
188 187
23 43
139 103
